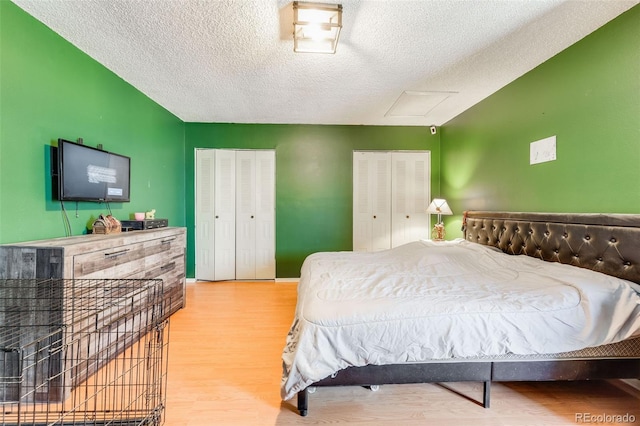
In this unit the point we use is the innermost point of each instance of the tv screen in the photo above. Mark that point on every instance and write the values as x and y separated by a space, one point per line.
90 174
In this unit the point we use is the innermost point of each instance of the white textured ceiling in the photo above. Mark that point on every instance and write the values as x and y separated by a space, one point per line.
232 61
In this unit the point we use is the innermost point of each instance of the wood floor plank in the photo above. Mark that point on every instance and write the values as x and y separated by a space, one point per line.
225 367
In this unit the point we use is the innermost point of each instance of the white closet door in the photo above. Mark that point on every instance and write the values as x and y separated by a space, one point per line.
225 215
255 215
371 201
245 214
265 201
361 203
235 214
410 196
204 244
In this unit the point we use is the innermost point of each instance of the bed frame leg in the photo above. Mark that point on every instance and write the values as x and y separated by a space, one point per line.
486 394
303 401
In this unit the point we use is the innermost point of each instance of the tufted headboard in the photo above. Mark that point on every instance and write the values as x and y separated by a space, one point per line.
607 243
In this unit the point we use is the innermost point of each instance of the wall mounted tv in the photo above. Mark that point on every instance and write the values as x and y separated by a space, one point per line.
90 174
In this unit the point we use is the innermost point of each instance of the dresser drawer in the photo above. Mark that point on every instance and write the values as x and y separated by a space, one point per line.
168 264
129 261
115 262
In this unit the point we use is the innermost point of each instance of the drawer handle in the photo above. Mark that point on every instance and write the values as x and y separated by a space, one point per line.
168 266
168 240
116 253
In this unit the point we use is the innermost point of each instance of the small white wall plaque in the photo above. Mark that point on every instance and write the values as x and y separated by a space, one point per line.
543 150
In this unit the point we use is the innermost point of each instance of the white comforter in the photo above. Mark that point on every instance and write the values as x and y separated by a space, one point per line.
428 301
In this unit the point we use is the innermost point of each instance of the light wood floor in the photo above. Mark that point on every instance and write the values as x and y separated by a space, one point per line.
225 368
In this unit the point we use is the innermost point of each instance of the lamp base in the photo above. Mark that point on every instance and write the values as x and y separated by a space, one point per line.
437 234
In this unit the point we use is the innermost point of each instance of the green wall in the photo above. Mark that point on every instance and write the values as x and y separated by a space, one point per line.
313 178
589 97
51 90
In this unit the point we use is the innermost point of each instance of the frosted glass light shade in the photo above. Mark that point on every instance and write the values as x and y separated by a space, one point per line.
316 27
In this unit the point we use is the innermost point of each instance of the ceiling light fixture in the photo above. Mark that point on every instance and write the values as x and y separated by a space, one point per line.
316 27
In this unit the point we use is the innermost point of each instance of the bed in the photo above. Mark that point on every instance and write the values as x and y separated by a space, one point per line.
522 297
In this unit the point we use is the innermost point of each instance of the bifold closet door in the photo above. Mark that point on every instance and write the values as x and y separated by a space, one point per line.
371 200
225 215
204 241
390 198
215 214
255 214
235 214
410 177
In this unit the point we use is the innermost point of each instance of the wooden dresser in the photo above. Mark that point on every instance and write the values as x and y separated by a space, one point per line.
104 295
154 253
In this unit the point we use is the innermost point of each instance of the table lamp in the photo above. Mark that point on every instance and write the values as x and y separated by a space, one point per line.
439 206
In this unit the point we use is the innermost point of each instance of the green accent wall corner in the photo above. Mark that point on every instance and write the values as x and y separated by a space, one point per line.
588 96
51 90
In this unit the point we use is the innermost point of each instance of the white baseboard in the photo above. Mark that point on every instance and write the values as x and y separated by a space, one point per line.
277 280
287 280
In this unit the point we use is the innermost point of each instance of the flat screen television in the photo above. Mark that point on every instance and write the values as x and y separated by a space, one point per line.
90 174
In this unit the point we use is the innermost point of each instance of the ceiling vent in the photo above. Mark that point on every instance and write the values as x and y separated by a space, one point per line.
416 104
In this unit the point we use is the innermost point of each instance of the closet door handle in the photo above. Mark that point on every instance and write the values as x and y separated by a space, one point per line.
374 216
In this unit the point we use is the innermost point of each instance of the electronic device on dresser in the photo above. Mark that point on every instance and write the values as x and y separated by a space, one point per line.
139 225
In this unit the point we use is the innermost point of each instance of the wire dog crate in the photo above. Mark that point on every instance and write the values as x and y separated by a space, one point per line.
82 352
